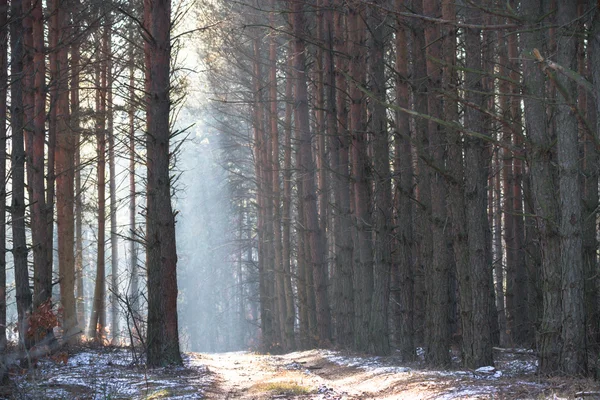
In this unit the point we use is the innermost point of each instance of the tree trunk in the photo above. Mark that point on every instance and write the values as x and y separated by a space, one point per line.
343 297
477 353
3 114
315 236
403 218
114 241
75 124
437 339
98 318
23 292
543 182
382 192
161 252
573 357
363 258
286 217
65 176
42 270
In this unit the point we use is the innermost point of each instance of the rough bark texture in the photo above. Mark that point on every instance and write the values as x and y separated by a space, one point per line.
573 357
478 352
161 252
543 184
19 252
438 336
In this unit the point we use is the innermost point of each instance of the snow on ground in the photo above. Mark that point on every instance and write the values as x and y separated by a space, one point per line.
109 374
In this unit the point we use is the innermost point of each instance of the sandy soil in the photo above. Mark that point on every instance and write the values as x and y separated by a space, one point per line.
318 374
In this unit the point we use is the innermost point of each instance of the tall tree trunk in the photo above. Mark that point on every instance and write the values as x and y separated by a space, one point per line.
286 334
587 102
19 252
363 258
573 357
3 114
114 241
75 125
437 339
403 218
161 252
133 248
286 217
479 352
594 49
98 318
343 296
543 182
266 308
315 236
65 176
382 193
42 270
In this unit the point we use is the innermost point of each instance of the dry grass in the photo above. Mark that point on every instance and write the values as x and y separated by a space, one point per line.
281 388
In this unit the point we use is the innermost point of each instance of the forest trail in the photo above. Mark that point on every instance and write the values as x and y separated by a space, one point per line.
318 374
300 375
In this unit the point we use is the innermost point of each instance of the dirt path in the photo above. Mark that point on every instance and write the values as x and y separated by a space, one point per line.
318 374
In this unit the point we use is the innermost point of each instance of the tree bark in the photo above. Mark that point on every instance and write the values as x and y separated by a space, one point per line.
573 357
382 192
438 337
543 182
161 252
315 236
65 197
23 292
403 218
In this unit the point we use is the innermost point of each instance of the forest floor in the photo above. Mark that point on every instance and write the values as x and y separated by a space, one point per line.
112 373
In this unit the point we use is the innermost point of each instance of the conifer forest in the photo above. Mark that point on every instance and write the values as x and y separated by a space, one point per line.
417 178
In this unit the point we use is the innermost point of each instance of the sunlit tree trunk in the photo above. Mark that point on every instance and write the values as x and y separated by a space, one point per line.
98 317
75 125
286 334
266 300
65 176
133 248
114 242
286 217
161 253
19 252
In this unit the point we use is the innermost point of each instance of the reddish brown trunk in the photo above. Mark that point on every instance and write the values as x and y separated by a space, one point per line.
315 237
161 251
